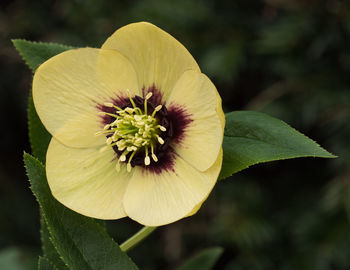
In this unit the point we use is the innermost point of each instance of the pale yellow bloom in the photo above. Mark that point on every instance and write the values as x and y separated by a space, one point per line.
137 128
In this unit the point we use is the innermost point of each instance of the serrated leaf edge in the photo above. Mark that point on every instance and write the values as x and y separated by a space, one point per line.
14 42
45 218
44 257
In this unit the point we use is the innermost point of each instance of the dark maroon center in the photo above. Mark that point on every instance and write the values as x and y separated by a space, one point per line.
174 119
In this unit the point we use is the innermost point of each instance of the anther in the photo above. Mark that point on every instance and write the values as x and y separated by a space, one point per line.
123 157
160 140
137 117
161 128
147 161
148 96
129 110
106 113
108 104
156 109
154 157
109 140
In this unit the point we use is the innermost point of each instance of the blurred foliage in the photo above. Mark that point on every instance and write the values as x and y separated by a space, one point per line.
287 58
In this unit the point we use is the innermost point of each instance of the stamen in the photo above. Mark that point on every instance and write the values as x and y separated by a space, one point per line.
147 159
129 110
109 140
153 155
106 113
131 100
128 166
156 109
123 156
133 132
160 140
148 96
161 128
111 105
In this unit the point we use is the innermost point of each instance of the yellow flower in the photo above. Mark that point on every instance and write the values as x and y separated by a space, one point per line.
137 128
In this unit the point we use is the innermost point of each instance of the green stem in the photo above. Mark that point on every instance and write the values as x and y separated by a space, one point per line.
136 238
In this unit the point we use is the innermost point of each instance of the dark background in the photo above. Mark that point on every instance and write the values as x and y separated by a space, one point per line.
287 58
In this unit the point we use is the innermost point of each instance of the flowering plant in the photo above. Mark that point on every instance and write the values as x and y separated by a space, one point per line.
133 129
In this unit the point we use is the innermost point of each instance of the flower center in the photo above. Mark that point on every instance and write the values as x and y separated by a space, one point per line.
133 130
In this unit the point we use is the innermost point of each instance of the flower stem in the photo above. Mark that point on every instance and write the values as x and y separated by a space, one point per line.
136 238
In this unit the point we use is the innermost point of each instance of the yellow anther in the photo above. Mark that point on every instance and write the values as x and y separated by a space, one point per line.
106 113
137 117
129 110
156 109
154 157
148 96
109 140
147 161
122 157
108 104
162 128
160 140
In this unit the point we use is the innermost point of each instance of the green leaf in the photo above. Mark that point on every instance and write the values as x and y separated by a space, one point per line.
49 250
205 260
36 53
254 137
45 264
80 241
39 137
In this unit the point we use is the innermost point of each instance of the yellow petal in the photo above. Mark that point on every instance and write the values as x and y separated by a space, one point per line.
202 139
157 199
68 88
198 206
158 58
220 112
86 181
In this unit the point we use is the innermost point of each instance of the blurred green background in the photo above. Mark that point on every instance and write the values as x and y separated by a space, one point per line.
287 58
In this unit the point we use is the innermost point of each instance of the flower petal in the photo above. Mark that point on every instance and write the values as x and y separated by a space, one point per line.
158 58
86 181
202 139
199 205
68 88
157 199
